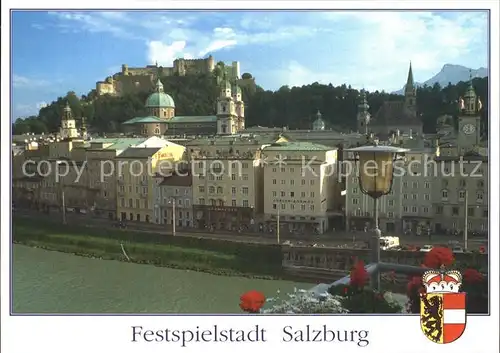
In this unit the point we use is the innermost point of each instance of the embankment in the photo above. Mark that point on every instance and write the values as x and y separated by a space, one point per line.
194 253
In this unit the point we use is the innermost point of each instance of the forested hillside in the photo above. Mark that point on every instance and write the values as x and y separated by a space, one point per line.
293 107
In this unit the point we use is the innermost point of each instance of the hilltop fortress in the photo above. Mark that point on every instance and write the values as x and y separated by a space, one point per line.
143 79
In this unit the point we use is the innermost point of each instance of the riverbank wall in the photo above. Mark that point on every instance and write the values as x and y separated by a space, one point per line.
214 256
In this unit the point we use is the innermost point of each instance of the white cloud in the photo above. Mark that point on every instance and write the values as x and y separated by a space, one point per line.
28 109
19 81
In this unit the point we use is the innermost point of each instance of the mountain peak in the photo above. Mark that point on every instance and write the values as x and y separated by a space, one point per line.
451 73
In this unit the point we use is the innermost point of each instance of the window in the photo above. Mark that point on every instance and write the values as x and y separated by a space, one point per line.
274 181
122 202
233 190
211 189
137 203
130 203
405 184
179 202
461 195
355 201
454 211
292 182
292 170
480 184
282 193
213 202
211 177
405 196
245 176
405 208
444 194
355 190
283 181
415 185
427 185
439 210
201 188
233 203
244 165
292 206
311 207
485 213
390 214
311 182
414 209
187 202
303 182
390 203
201 201
303 207
292 194
274 206
479 197
427 197
414 196
425 209
470 211
274 170
302 194
312 193
282 170
244 190
283 206
220 190
274 193
233 176
245 203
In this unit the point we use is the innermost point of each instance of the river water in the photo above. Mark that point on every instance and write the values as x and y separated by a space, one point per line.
52 282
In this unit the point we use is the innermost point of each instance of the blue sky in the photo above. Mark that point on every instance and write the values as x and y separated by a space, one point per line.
55 52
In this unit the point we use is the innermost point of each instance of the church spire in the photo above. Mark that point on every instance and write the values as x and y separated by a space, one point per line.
409 81
159 86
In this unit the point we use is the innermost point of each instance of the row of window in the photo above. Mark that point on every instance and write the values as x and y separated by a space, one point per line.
130 203
144 189
463 183
439 211
180 202
178 214
233 165
222 203
220 190
292 207
292 182
455 211
461 195
292 194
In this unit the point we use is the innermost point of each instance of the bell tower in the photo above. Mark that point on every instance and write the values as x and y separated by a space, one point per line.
68 124
469 120
227 120
363 116
411 93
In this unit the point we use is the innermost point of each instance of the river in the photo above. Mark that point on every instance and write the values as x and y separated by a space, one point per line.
52 282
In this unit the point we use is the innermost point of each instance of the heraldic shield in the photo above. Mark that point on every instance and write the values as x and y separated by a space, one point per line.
443 316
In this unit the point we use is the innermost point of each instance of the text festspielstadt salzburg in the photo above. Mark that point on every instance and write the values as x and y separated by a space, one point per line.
216 334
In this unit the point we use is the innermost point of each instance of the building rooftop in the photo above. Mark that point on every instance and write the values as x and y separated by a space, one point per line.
139 152
193 119
297 146
143 120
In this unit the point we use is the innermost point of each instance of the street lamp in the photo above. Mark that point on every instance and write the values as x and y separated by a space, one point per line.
376 174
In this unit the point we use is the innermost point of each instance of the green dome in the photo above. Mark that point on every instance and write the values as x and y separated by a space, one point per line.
160 100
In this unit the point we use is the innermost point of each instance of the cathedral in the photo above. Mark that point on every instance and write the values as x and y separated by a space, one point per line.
229 118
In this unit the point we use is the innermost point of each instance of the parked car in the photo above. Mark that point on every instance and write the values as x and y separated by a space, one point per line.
426 248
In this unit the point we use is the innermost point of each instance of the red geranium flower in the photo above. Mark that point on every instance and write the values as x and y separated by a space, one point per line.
252 301
438 257
472 276
482 249
359 276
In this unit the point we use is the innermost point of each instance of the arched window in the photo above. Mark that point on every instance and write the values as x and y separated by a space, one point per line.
157 131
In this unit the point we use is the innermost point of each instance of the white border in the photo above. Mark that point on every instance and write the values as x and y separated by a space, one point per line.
112 334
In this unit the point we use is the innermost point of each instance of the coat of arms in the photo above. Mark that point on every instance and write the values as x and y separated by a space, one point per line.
442 308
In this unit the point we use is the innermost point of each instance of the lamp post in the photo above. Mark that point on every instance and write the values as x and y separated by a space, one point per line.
376 174
172 201
278 225
466 225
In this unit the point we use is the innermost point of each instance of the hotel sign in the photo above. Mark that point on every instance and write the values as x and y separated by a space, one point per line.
222 209
291 201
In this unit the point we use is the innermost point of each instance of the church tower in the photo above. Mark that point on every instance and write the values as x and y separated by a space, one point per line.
363 116
68 124
240 108
469 120
411 93
227 119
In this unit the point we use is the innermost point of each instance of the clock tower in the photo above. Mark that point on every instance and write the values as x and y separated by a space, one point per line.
469 120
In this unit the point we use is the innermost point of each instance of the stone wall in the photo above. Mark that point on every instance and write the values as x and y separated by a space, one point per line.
343 259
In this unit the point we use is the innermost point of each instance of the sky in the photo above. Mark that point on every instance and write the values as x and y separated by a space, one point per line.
57 52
